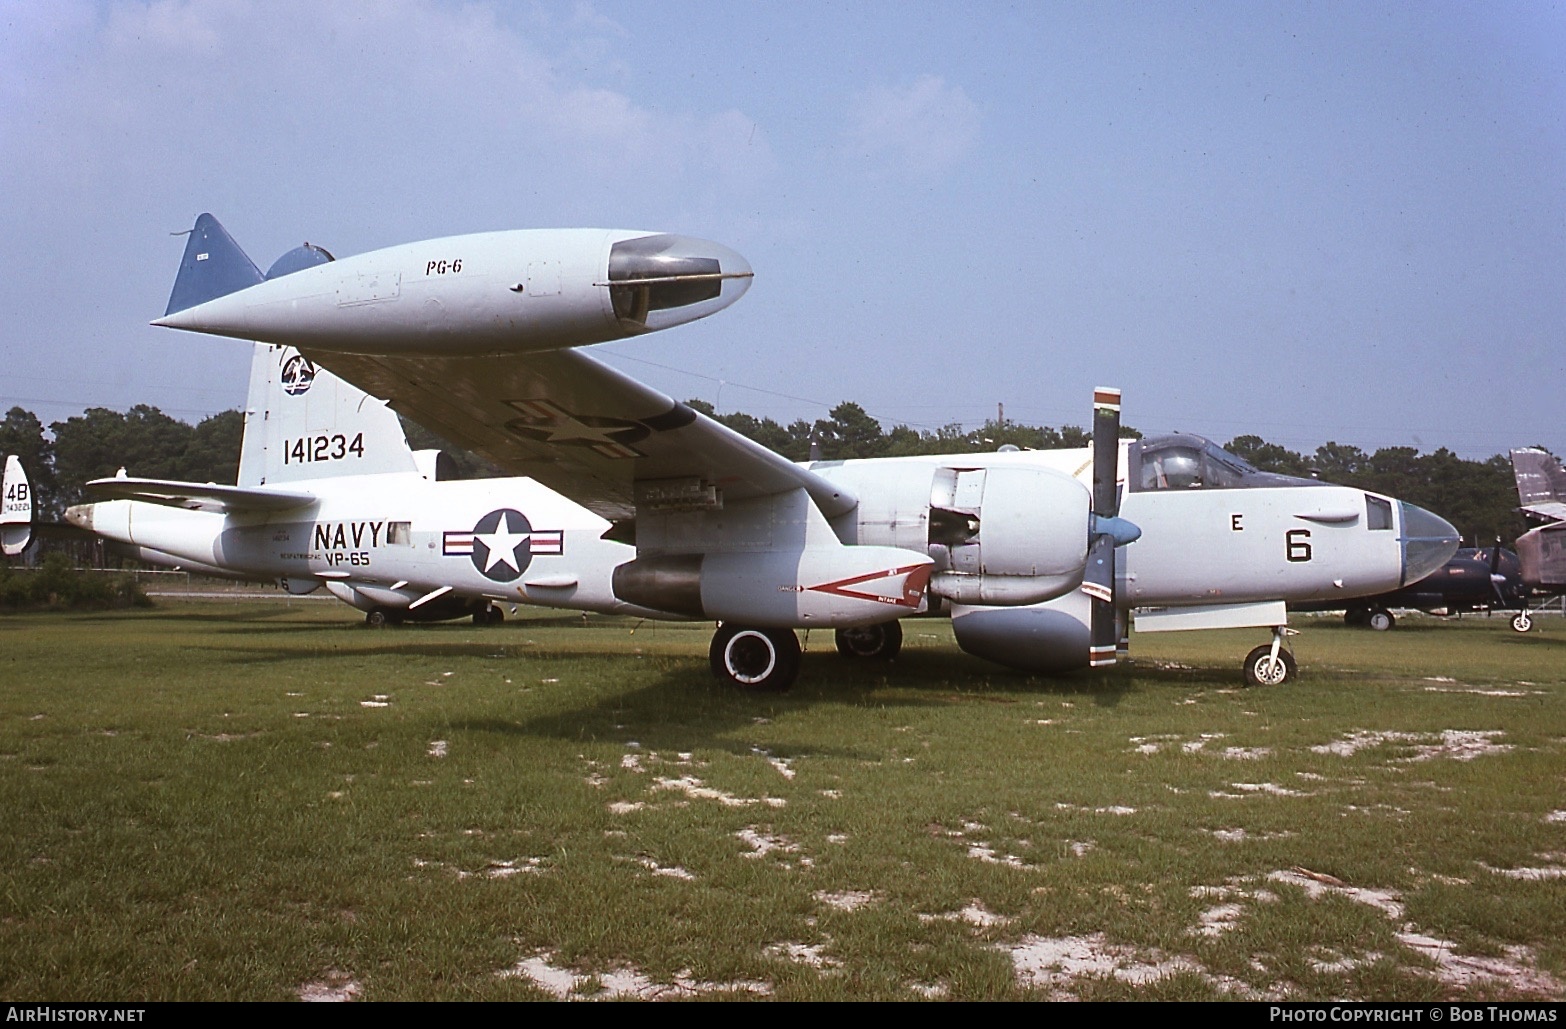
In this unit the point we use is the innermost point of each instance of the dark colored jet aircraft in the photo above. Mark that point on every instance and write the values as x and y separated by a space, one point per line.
1475 579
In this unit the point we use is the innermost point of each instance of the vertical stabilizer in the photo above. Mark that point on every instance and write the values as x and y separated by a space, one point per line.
303 422
16 509
1541 483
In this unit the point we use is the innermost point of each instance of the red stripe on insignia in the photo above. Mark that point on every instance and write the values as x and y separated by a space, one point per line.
547 542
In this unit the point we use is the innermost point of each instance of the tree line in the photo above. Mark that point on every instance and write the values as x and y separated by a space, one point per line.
1478 497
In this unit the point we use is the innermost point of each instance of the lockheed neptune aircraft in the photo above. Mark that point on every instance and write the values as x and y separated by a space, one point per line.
475 337
1541 492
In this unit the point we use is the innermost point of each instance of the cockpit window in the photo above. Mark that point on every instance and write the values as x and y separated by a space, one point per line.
1190 462
1378 513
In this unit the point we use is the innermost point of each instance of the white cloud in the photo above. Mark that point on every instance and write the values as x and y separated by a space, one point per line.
926 126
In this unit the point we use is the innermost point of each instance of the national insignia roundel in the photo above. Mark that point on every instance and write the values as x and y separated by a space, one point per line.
502 545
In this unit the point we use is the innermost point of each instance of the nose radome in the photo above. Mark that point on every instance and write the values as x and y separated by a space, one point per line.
1429 541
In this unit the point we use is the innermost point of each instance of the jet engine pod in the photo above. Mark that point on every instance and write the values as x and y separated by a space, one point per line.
1007 535
1050 637
814 586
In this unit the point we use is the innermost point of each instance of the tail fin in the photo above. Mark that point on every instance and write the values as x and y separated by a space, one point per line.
1541 483
303 422
16 509
213 266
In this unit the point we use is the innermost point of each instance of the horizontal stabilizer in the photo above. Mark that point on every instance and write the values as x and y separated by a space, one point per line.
197 496
213 266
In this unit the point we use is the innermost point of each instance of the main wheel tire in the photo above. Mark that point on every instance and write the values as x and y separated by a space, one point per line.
376 619
1356 617
491 615
1521 622
758 660
1262 670
881 641
1381 620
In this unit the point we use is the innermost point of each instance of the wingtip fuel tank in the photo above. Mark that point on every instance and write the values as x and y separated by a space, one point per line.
493 292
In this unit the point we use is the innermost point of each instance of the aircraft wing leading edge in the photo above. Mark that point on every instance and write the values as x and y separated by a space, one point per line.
583 429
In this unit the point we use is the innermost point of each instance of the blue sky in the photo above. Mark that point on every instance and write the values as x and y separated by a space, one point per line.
1307 221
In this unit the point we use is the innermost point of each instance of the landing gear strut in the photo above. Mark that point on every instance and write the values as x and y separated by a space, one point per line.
1270 664
759 660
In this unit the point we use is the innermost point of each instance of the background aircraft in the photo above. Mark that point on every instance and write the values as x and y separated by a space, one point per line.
1541 493
1027 559
331 495
1475 579
16 508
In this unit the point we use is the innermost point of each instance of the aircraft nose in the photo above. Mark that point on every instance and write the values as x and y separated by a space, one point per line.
1429 541
663 280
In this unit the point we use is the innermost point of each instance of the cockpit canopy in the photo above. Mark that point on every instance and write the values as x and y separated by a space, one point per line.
1184 461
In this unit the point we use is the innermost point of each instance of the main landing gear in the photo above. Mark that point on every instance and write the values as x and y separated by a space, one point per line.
491 615
1521 622
381 617
758 660
1269 664
767 660
881 641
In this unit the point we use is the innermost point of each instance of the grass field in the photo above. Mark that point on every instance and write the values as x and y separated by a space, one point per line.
221 800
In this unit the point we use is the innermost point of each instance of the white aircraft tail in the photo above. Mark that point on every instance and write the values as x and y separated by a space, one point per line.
16 509
303 422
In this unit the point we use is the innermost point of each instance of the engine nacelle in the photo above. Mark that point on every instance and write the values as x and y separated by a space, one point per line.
827 586
1006 534
1049 637
1543 555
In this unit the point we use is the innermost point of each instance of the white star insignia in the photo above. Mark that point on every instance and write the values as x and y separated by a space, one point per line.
502 544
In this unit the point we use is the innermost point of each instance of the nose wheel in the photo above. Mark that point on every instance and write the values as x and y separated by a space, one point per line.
1269 664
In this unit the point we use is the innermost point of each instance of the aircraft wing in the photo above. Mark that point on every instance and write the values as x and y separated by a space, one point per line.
198 496
580 427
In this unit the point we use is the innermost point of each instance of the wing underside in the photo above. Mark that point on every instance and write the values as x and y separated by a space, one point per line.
582 428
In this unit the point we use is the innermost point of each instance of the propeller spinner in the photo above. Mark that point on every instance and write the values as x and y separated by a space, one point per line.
1107 529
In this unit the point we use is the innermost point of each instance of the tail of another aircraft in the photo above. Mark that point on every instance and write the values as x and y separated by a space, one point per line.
16 509
303 422
1541 482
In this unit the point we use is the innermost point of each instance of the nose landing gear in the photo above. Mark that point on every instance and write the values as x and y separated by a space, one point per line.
1269 664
